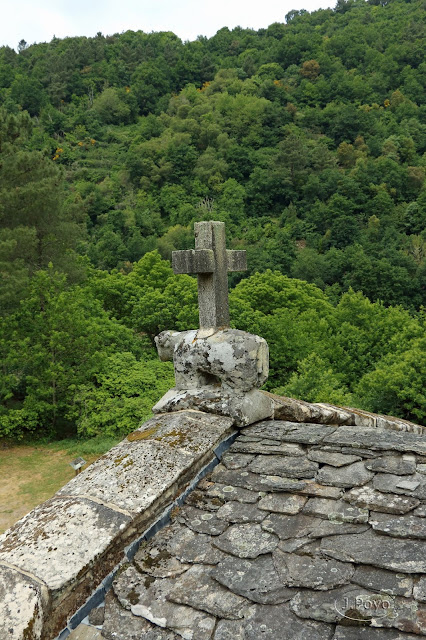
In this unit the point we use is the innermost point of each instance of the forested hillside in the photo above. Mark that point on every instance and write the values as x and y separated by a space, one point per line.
307 138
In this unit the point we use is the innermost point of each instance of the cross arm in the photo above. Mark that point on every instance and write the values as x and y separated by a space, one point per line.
193 261
237 260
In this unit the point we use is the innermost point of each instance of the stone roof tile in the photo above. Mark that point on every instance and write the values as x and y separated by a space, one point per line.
294 557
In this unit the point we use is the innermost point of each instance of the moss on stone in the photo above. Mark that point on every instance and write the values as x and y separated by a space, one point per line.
142 435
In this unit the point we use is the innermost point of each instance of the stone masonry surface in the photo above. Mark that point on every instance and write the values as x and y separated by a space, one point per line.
323 508
297 535
53 559
217 371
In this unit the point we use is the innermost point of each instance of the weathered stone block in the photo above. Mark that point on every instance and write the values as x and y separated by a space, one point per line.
335 510
268 447
61 539
331 458
353 475
69 543
23 605
370 498
228 492
255 579
334 528
407 526
149 600
243 408
202 521
300 411
158 563
377 439
236 359
144 466
192 547
420 511
396 584
256 482
197 589
407 556
298 526
419 591
286 466
344 605
236 460
121 624
312 488
246 541
234 511
311 572
85 632
414 485
290 431
351 605
278 622
97 616
286 503
398 465
74 540
229 630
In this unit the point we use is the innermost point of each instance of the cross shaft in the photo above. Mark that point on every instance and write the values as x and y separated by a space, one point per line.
211 261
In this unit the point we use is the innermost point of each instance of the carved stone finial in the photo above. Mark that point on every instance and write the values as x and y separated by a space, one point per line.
217 369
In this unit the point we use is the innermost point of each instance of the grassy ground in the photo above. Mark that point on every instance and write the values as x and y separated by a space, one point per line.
30 474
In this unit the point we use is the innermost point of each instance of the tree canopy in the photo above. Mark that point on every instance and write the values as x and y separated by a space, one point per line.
307 138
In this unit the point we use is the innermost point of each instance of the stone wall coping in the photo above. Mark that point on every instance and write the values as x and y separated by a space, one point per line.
56 556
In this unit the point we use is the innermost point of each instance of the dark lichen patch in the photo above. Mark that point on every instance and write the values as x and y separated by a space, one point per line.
174 513
201 501
28 633
354 618
148 580
133 597
195 498
119 460
152 563
40 533
135 436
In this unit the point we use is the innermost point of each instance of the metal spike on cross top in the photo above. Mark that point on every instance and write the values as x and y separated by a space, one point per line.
211 261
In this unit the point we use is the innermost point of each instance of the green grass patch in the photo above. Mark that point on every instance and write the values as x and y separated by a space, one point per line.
78 447
32 473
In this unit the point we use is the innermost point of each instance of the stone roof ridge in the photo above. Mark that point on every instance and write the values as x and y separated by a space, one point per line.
324 413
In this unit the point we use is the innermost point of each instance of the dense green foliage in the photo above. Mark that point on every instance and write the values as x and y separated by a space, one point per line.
307 138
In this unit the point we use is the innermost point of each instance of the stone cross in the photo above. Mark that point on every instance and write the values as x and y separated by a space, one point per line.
211 261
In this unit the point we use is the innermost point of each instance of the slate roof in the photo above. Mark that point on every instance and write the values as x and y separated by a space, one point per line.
303 532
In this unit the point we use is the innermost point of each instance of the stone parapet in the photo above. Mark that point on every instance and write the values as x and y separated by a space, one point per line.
55 557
